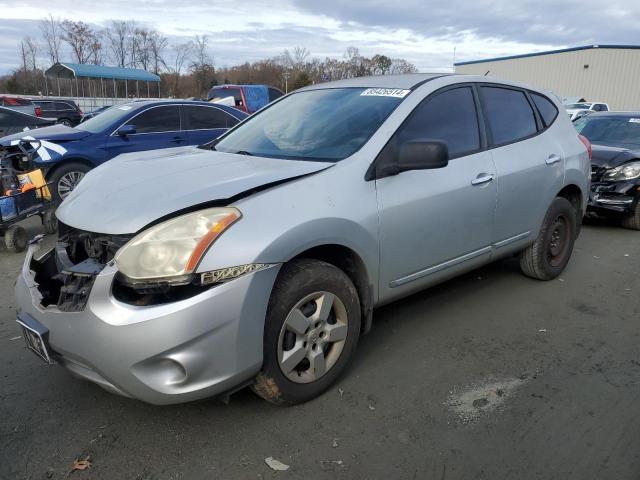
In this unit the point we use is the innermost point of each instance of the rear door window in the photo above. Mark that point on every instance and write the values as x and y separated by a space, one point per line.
157 119
508 113
449 117
205 118
546 108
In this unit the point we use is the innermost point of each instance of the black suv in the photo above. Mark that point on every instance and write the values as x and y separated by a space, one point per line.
65 112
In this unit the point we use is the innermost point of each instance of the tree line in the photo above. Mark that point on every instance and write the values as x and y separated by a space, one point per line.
186 69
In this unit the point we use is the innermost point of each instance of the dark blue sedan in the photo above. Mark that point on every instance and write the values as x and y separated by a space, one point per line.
66 154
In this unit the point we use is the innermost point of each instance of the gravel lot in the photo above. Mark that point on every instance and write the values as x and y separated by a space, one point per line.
488 376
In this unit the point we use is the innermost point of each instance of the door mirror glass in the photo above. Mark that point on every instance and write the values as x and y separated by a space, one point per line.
422 154
126 130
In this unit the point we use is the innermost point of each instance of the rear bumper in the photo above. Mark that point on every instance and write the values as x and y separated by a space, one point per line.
176 352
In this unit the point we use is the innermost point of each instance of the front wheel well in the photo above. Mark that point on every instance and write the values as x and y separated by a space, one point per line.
350 263
67 161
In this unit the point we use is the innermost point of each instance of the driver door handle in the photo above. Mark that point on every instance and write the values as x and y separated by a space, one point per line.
553 158
480 180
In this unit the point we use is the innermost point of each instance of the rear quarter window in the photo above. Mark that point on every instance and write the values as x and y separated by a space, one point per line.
546 108
509 115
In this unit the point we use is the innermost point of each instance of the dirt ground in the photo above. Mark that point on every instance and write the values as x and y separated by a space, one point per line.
489 376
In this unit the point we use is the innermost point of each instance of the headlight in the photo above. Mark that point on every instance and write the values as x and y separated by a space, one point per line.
628 171
173 249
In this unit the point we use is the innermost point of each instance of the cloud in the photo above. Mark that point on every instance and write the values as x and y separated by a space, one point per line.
523 21
425 33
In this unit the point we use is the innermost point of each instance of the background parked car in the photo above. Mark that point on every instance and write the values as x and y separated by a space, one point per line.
68 153
87 115
12 121
248 98
577 110
65 112
23 105
615 165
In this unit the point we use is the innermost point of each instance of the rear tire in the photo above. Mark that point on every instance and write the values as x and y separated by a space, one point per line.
311 332
548 256
66 177
65 121
16 239
633 221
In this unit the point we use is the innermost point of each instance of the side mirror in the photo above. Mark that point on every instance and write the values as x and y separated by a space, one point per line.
422 154
126 130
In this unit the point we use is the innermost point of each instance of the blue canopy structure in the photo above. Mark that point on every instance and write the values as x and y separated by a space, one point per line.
79 70
89 74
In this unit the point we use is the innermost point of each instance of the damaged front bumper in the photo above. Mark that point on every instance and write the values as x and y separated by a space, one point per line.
608 198
197 347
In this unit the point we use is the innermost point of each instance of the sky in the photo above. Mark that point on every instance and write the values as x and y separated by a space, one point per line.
428 33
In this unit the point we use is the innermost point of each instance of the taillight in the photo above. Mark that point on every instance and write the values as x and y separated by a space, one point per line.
587 144
38 111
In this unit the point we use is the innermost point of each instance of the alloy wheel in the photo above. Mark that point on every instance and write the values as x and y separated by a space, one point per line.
68 182
312 337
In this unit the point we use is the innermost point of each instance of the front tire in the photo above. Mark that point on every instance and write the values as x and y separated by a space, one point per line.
548 256
66 178
311 332
633 221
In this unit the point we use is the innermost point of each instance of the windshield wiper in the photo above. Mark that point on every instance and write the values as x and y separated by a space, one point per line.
243 152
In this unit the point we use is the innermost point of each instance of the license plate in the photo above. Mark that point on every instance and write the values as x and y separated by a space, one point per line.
35 336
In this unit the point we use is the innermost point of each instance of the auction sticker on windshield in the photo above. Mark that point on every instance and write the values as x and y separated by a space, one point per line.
385 92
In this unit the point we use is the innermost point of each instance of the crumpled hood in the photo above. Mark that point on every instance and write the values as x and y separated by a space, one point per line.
610 157
54 133
129 192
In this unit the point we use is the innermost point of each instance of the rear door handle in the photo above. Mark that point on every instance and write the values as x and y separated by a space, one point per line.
177 140
480 180
553 158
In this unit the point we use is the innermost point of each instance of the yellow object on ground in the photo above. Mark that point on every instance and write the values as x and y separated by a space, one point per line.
37 179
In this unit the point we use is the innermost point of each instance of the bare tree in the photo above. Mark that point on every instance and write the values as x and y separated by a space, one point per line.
297 58
202 65
157 44
181 52
84 42
117 37
142 47
51 29
400 65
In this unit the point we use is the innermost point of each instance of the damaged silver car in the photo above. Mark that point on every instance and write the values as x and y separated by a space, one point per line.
258 259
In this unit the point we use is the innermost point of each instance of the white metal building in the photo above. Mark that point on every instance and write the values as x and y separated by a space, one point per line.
598 73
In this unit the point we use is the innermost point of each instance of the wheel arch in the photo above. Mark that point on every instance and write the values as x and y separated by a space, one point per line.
352 264
68 160
575 195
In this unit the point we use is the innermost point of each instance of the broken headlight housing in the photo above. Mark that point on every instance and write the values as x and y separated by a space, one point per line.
627 171
170 251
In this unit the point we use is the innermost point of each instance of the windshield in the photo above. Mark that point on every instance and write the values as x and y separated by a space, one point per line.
578 106
320 125
105 119
610 131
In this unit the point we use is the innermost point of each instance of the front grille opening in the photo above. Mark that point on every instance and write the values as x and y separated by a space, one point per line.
46 272
154 294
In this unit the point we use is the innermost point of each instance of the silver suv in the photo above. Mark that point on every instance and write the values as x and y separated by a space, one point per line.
258 259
